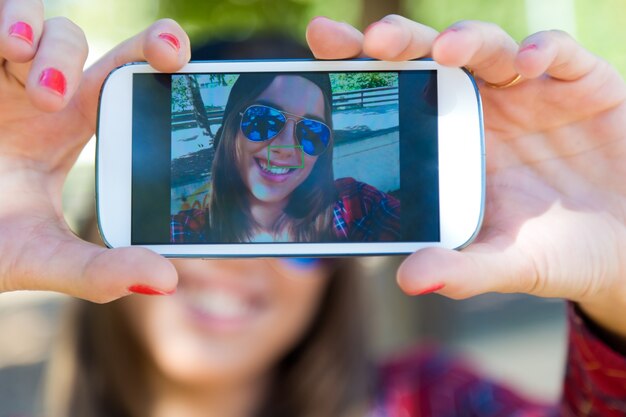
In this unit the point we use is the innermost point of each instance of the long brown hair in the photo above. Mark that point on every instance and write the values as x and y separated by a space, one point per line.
308 215
100 368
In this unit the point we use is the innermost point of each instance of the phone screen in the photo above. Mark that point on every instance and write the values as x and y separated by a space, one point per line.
285 157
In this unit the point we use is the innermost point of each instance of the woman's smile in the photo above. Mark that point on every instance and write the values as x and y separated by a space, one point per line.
222 307
229 317
274 171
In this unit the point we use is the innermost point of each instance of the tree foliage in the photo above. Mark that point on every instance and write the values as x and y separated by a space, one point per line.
181 96
344 82
186 91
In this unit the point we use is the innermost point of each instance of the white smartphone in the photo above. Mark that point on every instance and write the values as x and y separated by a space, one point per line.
290 158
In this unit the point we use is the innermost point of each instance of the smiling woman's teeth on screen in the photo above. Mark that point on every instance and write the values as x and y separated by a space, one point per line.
273 169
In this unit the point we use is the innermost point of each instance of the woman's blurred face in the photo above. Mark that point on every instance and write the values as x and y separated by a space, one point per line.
273 182
230 320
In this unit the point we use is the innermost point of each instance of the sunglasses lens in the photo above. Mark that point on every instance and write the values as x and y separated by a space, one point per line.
261 123
313 136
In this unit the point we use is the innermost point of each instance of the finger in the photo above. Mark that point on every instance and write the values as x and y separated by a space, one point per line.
396 38
21 25
164 45
71 266
484 47
466 273
56 70
329 39
556 53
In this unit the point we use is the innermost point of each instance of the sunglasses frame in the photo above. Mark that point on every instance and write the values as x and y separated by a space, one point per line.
297 119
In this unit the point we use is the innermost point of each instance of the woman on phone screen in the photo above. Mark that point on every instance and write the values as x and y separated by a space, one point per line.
272 175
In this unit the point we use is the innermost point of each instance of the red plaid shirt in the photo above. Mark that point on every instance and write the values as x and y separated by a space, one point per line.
364 214
360 214
430 383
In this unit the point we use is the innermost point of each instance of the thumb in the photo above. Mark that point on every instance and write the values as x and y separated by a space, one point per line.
91 272
476 270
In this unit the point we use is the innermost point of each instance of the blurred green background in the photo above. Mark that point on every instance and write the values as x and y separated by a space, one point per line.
599 24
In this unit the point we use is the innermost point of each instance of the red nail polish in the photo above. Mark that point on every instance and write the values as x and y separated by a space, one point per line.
380 22
529 47
447 31
22 30
171 40
431 289
145 290
54 80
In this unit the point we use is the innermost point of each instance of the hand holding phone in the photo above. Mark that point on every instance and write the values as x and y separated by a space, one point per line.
47 113
554 222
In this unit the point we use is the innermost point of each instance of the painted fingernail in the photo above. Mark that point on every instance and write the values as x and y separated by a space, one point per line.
145 290
529 47
54 80
378 23
23 31
171 40
431 289
448 31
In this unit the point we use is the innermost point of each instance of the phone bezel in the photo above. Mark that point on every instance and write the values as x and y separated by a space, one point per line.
460 143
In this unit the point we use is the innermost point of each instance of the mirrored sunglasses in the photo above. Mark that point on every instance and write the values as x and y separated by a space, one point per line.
260 123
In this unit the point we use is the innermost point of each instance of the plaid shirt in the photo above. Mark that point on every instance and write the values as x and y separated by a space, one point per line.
431 383
188 226
364 214
360 214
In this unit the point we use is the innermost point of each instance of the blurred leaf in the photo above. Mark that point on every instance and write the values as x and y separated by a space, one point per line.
240 19
601 28
510 14
109 21
237 19
599 24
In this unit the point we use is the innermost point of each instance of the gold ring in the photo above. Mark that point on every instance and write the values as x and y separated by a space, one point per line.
499 86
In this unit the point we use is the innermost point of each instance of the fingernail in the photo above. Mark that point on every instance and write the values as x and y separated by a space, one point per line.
447 31
145 290
171 40
431 289
54 80
23 31
529 47
385 22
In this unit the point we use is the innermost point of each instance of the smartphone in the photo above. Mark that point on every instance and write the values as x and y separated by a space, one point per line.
290 158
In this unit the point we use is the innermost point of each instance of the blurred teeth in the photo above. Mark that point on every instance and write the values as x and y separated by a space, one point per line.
273 169
220 304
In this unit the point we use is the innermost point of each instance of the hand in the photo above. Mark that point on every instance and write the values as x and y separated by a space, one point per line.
48 112
555 221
